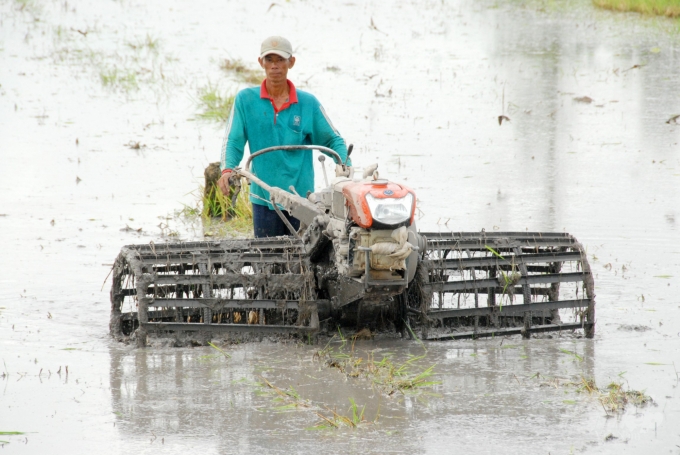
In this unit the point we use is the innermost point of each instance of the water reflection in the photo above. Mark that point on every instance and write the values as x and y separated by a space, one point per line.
192 393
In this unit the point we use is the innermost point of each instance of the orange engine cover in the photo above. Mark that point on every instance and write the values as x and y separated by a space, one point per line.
355 197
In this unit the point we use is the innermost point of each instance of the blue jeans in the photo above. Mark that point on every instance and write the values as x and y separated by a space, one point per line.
266 222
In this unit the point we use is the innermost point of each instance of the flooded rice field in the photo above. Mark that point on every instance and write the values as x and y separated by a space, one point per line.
101 146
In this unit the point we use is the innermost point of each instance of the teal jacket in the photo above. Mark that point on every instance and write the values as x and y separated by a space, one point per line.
301 122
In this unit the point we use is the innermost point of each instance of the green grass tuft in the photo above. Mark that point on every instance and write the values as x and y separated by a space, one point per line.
219 218
388 376
242 72
118 79
213 105
670 8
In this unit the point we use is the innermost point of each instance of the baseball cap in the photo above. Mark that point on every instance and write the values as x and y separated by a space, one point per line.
276 45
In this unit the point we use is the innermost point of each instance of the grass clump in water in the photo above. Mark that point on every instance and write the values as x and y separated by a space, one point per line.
389 376
670 8
241 71
118 79
213 105
147 43
614 398
289 399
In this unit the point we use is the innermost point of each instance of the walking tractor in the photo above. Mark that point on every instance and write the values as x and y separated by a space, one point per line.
357 261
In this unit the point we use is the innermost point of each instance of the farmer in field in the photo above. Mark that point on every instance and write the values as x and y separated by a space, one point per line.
276 114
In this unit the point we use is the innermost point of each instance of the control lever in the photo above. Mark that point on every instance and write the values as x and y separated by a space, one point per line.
322 158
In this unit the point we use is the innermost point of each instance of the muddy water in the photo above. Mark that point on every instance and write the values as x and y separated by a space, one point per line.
99 147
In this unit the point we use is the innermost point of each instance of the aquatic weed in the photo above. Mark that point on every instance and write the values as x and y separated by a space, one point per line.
241 71
214 105
389 377
288 399
669 8
147 43
221 353
573 354
335 420
614 398
119 79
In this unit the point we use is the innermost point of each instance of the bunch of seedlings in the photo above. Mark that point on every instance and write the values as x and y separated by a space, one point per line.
614 398
388 376
290 399
218 217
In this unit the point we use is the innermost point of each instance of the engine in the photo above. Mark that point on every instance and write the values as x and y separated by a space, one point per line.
371 225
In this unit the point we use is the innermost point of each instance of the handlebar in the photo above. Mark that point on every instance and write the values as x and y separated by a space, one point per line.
294 147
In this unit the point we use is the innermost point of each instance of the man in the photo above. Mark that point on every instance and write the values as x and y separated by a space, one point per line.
276 114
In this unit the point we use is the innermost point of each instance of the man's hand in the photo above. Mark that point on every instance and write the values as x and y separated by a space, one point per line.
224 183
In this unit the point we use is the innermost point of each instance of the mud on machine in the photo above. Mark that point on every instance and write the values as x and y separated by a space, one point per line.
356 261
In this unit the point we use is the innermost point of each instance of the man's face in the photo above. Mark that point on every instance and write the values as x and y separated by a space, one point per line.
276 67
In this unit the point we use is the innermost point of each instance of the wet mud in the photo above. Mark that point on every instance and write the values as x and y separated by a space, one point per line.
101 143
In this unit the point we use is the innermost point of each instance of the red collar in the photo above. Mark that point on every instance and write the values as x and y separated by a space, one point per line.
292 95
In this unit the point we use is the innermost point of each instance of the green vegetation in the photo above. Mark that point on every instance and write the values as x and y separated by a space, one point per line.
509 279
148 42
289 399
243 73
221 353
114 78
670 8
222 219
354 418
388 376
30 6
615 398
573 354
213 105
219 218
134 64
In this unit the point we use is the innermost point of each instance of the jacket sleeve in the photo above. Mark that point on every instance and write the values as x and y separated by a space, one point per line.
235 137
325 134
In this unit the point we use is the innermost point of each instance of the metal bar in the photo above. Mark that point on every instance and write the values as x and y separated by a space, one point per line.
480 245
507 309
469 285
496 235
283 218
526 293
326 150
217 247
509 331
252 328
226 279
216 303
172 262
493 261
